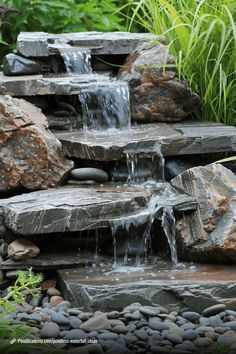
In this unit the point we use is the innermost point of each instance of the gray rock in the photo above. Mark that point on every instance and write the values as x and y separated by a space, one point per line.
155 323
115 322
149 310
202 342
59 319
205 235
130 338
3 249
186 345
155 349
141 334
191 316
213 310
96 323
227 338
75 322
107 336
74 312
181 139
174 329
76 334
120 329
84 316
14 64
188 325
215 321
117 348
133 316
222 330
231 325
94 348
113 315
41 44
89 173
50 330
29 214
190 334
174 338
205 329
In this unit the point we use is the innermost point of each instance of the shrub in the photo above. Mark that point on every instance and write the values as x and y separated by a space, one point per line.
59 16
201 34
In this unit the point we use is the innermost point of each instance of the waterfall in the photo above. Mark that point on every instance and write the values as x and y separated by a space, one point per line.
106 106
169 226
77 62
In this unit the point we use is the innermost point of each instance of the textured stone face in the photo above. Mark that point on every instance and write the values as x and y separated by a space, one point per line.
156 96
209 233
30 155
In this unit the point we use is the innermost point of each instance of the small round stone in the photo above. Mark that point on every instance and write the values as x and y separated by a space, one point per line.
89 173
191 316
173 338
108 336
53 292
190 334
75 322
59 319
50 330
76 334
155 323
56 300
213 310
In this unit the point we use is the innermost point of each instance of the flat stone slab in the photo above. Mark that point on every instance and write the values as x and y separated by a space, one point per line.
115 288
31 85
150 139
72 208
52 260
41 44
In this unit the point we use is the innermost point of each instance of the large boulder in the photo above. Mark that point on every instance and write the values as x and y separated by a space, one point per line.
209 233
30 155
157 95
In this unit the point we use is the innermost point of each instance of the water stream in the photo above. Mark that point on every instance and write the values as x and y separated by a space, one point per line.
106 106
76 62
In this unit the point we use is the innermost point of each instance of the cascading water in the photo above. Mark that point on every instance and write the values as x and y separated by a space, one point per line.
106 106
168 224
76 62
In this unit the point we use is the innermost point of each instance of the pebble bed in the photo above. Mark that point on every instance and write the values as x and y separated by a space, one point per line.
135 329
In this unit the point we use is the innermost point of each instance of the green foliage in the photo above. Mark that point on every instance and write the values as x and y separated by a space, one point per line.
220 348
59 16
202 36
9 333
26 281
227 159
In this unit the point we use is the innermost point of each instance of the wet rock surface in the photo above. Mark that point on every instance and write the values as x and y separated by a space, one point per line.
30 156
209 232
67 208
156 96
16 65
149 140
156 329
39 44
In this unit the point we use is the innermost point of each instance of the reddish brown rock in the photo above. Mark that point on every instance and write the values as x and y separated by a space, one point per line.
209 233
48 283
30 155
156 95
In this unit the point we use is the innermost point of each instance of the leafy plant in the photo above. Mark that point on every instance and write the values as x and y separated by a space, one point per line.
202 36
61 16
9 333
